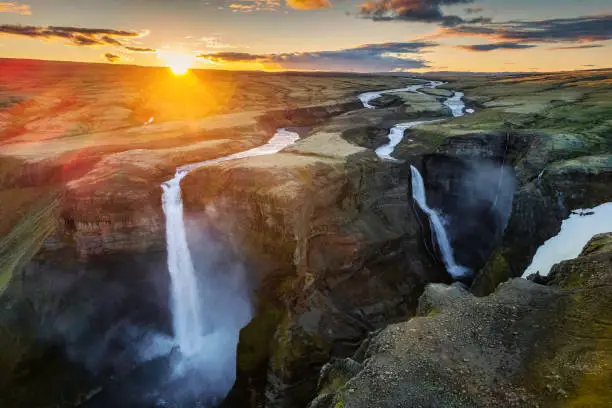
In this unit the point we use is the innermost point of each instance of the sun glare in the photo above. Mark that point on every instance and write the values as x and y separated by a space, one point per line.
179 64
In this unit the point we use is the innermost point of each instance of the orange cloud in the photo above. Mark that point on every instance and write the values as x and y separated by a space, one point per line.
308 4
248 6
81 36
12 7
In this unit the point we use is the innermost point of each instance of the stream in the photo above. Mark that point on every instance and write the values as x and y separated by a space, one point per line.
396 135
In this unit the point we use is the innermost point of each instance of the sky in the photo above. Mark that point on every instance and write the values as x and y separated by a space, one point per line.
327 35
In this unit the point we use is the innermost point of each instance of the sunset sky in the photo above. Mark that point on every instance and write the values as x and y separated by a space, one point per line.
339 35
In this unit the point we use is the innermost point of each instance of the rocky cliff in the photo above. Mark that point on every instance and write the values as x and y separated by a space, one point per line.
338 245
525 345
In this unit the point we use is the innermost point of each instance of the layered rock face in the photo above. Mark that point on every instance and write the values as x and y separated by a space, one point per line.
505 193
539 207
525 345
338 244
326 225
475 196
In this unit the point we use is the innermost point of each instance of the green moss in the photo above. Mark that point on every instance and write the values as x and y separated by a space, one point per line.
433 312
289 346
334 385
293 346
255 338
26 238
496 271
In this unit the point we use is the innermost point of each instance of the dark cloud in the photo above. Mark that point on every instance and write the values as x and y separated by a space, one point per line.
578 29
425 11
74 35
235 57
579 47
473 10
495 46
140 49
111 57
365 58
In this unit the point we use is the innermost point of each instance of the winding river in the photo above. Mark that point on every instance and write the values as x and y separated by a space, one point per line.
396 135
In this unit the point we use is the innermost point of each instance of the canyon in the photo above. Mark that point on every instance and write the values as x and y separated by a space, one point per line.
321 243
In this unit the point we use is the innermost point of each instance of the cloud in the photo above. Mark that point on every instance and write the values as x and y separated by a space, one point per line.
425 11
248 6
495 46
214 42
73 35
140 49
236 57
308 4
12 7
365 58
578 29
111 57
579 47
473 10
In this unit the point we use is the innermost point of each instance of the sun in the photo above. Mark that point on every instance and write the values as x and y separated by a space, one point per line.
179 64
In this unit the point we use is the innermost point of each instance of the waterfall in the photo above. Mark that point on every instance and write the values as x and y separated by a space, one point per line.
187 299
186 306
437 227
396 134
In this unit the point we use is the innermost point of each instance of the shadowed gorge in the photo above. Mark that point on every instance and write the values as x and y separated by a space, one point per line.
322 240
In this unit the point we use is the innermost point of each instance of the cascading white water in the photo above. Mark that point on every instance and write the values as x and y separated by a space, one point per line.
396 134
437 227
187 307
455 104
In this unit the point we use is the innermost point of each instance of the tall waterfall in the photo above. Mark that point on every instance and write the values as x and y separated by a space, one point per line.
186 308
187 297
437 227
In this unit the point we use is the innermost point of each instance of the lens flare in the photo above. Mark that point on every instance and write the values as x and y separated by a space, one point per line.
179 64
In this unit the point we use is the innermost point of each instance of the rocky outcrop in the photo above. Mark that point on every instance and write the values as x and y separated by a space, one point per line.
386 101
538 209
525 345
471 172
338 246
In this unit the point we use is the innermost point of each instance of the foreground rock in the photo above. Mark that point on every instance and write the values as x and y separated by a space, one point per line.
526 345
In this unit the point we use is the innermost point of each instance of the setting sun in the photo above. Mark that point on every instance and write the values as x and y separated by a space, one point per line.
179 64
